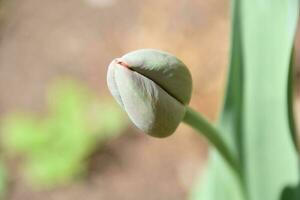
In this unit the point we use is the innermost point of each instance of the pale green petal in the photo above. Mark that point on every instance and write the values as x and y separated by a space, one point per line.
164 69
150 108
111 82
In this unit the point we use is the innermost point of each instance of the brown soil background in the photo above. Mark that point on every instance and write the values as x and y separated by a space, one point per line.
43 40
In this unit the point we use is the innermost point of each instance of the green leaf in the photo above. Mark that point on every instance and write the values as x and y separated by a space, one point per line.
22 133
107 124
2 180
55 147
290 90
256 118
219 182
268 34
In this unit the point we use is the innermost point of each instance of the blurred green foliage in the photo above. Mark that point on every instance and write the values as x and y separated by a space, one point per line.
2 180
54 148
257 120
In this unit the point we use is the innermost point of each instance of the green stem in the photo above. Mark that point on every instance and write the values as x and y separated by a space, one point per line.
212 134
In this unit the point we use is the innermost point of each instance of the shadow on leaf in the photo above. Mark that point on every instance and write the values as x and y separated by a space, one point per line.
291 192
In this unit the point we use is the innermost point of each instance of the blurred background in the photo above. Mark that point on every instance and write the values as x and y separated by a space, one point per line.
63 137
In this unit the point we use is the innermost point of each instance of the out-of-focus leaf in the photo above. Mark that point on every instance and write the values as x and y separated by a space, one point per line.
25 133
268 29
49 169
219 182
292 122
56 146
255 117
2 181
109 122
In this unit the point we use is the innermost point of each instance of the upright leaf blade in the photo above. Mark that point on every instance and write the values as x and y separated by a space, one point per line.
219 181
256 117
290 93
268 29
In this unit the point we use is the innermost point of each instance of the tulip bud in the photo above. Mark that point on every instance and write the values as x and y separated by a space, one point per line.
153 87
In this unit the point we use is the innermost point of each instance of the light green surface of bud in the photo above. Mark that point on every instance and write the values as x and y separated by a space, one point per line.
153 87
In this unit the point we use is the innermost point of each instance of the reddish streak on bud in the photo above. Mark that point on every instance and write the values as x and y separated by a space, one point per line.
121 62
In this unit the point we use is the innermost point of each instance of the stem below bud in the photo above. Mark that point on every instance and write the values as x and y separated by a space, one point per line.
212 134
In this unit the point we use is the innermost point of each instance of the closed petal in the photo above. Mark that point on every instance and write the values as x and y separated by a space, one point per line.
111 82
164 69
149 106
